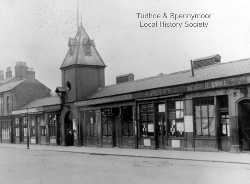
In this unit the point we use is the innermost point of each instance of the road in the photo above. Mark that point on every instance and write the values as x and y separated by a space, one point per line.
50 167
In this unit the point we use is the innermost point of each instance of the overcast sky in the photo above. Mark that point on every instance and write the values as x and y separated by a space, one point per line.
37 32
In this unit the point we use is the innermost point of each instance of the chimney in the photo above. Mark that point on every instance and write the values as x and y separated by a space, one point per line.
124 78
30 74
206 61
8 73
21 70
1 75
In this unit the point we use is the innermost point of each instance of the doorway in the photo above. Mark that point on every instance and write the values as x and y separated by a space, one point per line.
244 124
68 129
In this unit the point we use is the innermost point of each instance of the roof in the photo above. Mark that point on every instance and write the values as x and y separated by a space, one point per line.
10 85
219 70
76 54
47 101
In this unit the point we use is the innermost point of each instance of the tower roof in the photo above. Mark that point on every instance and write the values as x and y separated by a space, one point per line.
82 51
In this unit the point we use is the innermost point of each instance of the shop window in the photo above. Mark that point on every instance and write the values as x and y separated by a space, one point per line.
205 116
52 124
32 127
107 122
91 123
147 119
127 121
25 126
6 130
176 118
17 128
43 130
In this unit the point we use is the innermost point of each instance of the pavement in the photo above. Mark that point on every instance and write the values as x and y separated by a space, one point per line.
218 157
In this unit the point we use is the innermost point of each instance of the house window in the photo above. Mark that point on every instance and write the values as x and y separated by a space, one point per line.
107 122
1 105
9 106
175 118
146 119
205 116
127 121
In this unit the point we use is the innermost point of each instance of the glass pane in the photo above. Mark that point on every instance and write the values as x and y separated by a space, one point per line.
180 127
198 126
172 128
197 111
204 111
212 126
205 126
172 115
177 105
211 111
161 108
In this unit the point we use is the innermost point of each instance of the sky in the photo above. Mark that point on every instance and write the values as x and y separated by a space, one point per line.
37 32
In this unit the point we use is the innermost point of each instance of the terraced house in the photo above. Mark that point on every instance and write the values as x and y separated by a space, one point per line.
15 92
206 107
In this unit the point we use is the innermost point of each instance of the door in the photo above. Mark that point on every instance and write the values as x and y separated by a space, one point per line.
244 124
160 124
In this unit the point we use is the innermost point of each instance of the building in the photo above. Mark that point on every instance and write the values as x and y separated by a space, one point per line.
15 93
204 108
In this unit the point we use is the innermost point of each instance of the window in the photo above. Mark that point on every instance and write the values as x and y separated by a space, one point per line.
25 126
9 106
1 105
127 121
43 130
146 119
205 116
52 124
107 122
6 128
91 123
32 127
176 118
17 129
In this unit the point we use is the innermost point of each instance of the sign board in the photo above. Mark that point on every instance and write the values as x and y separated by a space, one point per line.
188 123
146 142
176 143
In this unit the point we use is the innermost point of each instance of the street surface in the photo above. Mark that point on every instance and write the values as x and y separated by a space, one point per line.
23 166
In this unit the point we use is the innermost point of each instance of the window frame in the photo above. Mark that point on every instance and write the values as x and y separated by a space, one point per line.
205 117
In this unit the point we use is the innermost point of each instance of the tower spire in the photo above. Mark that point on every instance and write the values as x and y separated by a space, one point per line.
77 14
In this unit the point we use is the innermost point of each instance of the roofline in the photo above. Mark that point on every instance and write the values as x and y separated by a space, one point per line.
83 65
167 86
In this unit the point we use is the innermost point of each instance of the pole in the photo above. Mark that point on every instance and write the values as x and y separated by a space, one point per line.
28 132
